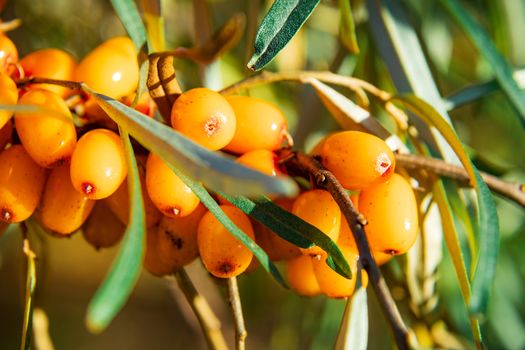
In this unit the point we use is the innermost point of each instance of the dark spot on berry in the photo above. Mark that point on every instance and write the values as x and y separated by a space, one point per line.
88 188
6 215
172 211
174 240
391 252
226 267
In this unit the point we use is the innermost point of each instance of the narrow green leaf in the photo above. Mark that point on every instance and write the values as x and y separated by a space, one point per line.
353 333
124 273
488 219
154 24
214 170
28 299
291 228
347 27
501 67
278 27
129 15
470 94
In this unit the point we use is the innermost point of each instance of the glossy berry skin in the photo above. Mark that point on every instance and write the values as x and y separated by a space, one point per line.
301 276
8 55
261 160
152 262
8 96
260 125
357 159
167 191
62 209
392 214
318 208
102 228
98 164
177 238
204 116
21 184
49 136
111 68
222 254
6 135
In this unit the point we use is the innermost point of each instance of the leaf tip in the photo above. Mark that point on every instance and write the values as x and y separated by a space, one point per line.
252 64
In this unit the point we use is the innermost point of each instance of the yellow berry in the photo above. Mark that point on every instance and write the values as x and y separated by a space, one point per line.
49 136
261 160
102 229
6 135
152 262
301 277
8 96
222 254
21 184
204 116
98 164
8 55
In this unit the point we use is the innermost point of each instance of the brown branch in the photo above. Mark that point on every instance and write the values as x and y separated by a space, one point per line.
307 166
511 190
73 85
210 324
235 303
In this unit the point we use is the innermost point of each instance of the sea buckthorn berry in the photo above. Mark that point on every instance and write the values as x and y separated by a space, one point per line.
49 136
392 214
177 238
51 64
260 125
62 209
111 68
318 208
8 55
357 159
102 228
8 96
301 277
205 117
167 191
261 160
222 254
98 164
21 184
152 262
6 135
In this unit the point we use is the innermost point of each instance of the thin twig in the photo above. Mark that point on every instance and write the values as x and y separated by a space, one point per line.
306 165
511 190
74 85
235 303
210 324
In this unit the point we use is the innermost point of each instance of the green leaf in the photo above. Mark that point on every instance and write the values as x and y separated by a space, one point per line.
501 67
214 170
470 94
347 27
353 333
129 15
488 219
28 299
278 27
292 228
124 273
154 24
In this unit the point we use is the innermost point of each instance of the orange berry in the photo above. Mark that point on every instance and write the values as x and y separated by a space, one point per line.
8 96
49 136
301 277
102 229
152 262
51 64
261 160
98 164
318 208
357 159
167 191
205 117
222 254
21 184
62 209
177 238
392 214
111 68
6 135
8 55
260 125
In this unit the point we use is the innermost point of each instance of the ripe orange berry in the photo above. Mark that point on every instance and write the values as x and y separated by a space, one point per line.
205 117
98 164
152 262
6 135
8 96
357 159
111 68
392 214
222 254
167 191
102 229
49 136
62 209
301 277
51 64
8 55
177 238
261 160
260 125
21 184
318 208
